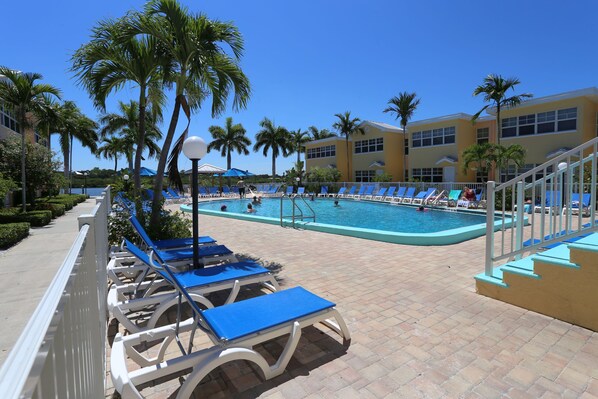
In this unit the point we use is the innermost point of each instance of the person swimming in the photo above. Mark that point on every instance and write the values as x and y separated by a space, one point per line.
250 209
336 203
223 208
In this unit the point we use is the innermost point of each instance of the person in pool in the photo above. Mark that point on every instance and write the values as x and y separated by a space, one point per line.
336 204
421 208
250 209
255 200
223 208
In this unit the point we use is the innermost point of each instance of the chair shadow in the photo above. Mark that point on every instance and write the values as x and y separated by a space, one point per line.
242 379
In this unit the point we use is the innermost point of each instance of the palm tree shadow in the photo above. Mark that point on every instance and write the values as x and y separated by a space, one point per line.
274 267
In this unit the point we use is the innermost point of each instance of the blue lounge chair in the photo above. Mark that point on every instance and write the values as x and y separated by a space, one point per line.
422 196
174 194
233 331
351 192
359 193
389 193
547 237
380 194
399 194
369 191
184 255
576 204
300 191
213 191
167 244
553 201
323 191
408 197
289 190
470 204
452 198
341 192
127 300
203 192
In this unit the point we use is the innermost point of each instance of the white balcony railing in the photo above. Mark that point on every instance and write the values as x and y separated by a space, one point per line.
61 352
549 199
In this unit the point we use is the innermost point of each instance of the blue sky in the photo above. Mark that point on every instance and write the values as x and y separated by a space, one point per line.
308 60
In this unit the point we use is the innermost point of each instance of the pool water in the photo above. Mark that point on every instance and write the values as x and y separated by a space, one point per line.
358 214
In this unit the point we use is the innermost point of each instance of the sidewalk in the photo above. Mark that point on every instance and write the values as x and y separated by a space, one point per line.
27 269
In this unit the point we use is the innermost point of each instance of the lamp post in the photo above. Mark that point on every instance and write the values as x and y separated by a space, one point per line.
126 183
195 148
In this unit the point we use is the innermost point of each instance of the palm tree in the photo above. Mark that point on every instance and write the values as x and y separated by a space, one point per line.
19 92
495 89
503 156
196 49
347 127
317 134
481 155
228 139
403 107
111 60
275 138
125 124
299 139
112 148
72 124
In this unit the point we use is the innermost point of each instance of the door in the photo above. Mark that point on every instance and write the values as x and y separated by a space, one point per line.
448 174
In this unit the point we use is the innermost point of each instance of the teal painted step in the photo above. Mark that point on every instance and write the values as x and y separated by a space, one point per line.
589 240
559 255
495 279
523 267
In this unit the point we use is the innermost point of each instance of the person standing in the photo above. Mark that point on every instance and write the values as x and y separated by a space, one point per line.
241 187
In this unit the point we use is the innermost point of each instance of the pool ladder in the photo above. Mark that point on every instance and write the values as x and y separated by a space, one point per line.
297 213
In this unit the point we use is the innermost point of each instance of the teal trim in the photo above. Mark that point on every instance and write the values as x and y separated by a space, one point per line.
491 279
446 237
584 247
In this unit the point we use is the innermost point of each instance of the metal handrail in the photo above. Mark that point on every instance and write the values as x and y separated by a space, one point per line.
293 216
550 188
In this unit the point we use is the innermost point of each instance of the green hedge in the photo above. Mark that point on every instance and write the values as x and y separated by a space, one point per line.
56 209
35 218
12 233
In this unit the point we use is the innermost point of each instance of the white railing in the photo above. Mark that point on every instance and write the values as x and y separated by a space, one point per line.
61 353
549 199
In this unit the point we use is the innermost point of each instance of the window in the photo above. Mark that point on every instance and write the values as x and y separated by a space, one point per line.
527 125
483 135
321 152
365 176
407 145
567 119
509 127
428 138
562 120
546 122
7 118
371 145
427 174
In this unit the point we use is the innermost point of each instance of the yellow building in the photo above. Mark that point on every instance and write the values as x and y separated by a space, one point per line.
379 150
544 126
9 127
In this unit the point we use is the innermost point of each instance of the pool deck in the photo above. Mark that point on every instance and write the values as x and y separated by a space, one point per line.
418 328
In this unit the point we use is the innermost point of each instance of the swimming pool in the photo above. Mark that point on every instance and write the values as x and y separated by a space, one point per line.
400 224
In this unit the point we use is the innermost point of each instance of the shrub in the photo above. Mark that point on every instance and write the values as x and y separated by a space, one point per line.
68 203
12 233
56 209
172 225
35 218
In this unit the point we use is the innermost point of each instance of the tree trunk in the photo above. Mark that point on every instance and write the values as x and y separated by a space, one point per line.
498 133
71 166
273 165
138 153
404 156
159 178
228 160
23 174
347 149
65 154
298 156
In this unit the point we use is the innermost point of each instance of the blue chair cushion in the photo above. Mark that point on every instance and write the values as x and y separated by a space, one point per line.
217 274
182 242
187 253
243 318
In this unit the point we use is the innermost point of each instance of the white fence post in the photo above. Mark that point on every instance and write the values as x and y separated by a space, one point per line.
489 266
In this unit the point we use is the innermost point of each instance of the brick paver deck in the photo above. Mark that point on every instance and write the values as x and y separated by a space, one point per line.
418 328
